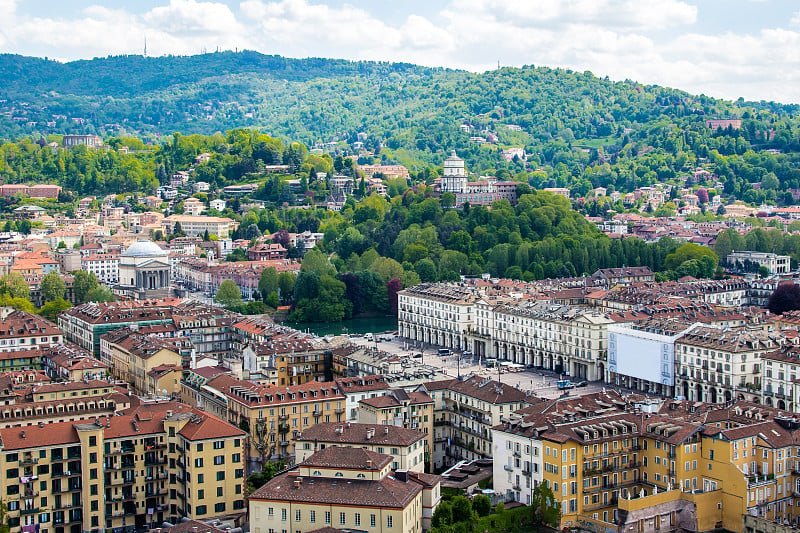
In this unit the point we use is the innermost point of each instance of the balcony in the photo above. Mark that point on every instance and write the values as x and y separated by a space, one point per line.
283 417
508 468
30 510
283 428
339 410
526 473
285 443
29 461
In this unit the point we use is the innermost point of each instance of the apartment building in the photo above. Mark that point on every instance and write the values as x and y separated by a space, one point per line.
779 378
437 313
85 323
297 357
30 403
25 331
70 362
466 411
274 416
104 266
405 446
133 356
196 226
562 338
345 488
360 388
719 364
410 410
152 463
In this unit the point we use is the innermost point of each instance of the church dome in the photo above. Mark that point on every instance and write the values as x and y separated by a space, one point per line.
144 248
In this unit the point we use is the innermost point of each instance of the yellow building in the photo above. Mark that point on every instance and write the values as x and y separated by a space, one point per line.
275 416
165 380
600 452
133 356
31 404
345 488
159 461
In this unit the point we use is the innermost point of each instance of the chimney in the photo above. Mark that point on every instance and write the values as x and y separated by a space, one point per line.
298 482
22 434
369 463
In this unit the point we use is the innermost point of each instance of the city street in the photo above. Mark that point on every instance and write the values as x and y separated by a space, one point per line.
541 382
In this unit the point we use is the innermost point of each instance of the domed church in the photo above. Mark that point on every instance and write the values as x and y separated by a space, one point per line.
144 272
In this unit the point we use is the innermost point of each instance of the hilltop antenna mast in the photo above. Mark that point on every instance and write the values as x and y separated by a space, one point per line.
145 46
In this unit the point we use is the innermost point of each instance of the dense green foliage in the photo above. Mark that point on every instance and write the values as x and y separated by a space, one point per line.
578 130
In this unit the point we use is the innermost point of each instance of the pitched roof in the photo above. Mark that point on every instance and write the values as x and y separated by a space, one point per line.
348 458
349 433
387 492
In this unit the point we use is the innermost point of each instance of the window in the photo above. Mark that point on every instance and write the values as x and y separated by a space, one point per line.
358 519
219 459
389 521
341 519
201 494
200 447
327 517
219 507
372 520
198 462
221 476
200 509
219 492
283 515
313 516
297 515
219 444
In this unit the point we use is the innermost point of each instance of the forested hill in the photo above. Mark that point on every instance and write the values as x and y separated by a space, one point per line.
127 76
415 114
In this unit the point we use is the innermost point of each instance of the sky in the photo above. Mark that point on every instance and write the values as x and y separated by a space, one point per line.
722 48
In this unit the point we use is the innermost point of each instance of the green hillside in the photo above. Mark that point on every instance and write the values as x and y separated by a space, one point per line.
578 130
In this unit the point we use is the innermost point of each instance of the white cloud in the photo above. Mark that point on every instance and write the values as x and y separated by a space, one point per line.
187 17
652 41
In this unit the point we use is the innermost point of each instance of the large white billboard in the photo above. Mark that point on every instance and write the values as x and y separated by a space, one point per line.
641 354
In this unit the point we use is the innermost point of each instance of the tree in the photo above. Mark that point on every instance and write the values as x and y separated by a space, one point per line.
443 515
4 528
317 262
785 297
24 226
268 282
51 309
481 504
702 195
462 510
426 270
52 287
14 285
82 283
546 510
100 294
228 294
686 252
392 288
286 281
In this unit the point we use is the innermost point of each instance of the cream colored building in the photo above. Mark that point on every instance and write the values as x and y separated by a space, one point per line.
466 411
196 226
718 365
345 488
406 446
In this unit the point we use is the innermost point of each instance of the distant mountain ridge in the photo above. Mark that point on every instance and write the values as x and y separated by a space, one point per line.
125 76
408 113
